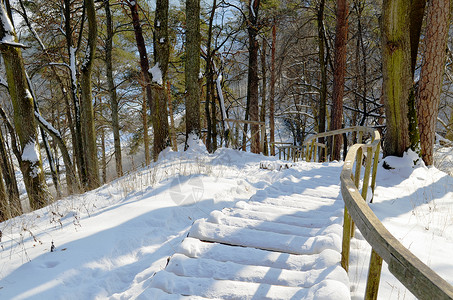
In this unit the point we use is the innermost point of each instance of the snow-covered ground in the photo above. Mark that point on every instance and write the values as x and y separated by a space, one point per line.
111 241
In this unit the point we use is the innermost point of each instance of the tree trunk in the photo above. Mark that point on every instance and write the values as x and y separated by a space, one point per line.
432 74
209 81
5 212
112 90
145 130
272 92
341 38
31 164
144 64
263 94
174 143
396 70
416 21
89 133
12 191
253 78
322 110
192 68
78 142
159 112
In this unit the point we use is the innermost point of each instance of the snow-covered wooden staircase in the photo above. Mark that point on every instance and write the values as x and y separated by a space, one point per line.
283 247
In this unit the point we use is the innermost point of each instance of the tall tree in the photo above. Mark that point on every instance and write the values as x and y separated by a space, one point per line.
272 90
72 53
24 121
112 89
253 78
396 68
263 92
159 78
211 143
322 110
341 38
7 168
87 113
192 68
144 64
432 74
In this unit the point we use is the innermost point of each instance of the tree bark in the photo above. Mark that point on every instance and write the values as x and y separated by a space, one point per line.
263 93
72 52
272 91
432 74
416 21
144 64
89 133
253 78
145 130
159 111
31 164
322 110
341 38
12 191
192 68
112 90
396 70
5 210
174 143
209 73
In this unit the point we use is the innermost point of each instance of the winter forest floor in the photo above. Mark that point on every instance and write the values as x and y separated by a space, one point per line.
115 242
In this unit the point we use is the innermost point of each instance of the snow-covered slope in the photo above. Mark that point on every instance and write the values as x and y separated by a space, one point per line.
112 241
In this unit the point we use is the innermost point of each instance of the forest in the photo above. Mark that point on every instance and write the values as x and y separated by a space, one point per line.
89 85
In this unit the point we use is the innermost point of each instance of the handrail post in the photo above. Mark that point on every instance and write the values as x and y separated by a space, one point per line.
366 176
375 165
346 243
374 276
316 153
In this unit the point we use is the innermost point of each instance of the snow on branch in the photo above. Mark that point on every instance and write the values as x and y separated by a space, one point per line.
42 122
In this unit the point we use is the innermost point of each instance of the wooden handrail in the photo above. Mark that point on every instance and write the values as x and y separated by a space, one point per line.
416 276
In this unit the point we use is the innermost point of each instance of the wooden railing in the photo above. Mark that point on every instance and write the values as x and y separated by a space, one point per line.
289 151
239 126
416 276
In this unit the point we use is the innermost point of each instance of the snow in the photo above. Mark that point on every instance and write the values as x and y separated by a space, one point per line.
3 81
220 93
156 74
252 4
73 64
7 26
115 242
30 152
